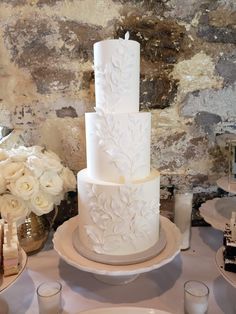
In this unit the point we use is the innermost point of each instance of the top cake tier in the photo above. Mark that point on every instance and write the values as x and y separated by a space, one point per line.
117 68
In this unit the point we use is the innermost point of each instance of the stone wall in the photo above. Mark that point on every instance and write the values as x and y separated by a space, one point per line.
188 77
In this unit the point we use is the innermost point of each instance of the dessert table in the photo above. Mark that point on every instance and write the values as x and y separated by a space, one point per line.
160 289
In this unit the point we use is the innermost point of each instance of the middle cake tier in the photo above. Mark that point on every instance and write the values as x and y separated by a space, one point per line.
118 146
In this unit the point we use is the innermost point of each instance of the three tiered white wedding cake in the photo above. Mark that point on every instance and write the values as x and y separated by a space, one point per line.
118 194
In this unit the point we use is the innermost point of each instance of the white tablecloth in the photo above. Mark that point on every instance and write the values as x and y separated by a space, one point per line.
160 289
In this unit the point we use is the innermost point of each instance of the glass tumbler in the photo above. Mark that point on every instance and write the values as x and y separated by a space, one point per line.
49 297
196 295
183 213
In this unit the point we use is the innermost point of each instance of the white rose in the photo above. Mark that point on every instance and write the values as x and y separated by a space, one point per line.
12 171
52 155
2 184
3 154
3 163
52 164
69 180
35 150
51 183
41 204
19 154
25 187
58 198
28 172
36 165
13 205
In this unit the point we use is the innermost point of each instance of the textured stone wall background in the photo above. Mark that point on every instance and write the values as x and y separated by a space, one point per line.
188 77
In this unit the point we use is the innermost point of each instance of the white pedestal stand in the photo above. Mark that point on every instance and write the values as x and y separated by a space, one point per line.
115 274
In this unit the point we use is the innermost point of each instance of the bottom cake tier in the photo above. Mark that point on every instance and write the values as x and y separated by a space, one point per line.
118 219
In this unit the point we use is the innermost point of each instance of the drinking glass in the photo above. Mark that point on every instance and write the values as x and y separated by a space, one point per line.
196 295
183 214
49 297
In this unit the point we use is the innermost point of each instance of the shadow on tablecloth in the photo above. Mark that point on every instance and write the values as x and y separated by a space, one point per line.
214 238
4 308
19 296
225 295
147 286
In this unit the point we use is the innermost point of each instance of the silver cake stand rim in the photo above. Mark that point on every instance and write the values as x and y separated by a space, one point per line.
115 274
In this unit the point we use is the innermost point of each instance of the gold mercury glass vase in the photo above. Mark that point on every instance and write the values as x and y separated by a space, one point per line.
33 232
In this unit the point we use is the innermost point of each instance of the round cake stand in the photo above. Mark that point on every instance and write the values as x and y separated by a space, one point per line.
115 274
6 282
227 186
217 212
229 276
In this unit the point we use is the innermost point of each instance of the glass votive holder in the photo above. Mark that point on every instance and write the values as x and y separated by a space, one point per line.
196 295
183 198
49 297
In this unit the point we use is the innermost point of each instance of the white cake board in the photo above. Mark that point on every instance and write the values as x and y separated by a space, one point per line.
229 276
217 212
118 259
115 274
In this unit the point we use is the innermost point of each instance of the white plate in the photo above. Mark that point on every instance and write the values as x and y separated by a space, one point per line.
6 282
225 185
229 276
217 212
63 245
124 310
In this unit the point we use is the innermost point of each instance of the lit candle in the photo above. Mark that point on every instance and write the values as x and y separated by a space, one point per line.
183 211
49 298
195 297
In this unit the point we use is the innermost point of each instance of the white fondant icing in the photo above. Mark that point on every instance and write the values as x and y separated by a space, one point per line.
118 219
230 242
118 146
118 196
117 67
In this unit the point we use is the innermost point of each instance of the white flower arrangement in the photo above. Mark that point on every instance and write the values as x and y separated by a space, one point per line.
32 179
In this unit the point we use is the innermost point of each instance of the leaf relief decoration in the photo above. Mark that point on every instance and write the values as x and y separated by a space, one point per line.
112 78
123 216
124 148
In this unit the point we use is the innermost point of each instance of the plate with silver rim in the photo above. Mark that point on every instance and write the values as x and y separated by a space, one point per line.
6 282
226 185
217 212
124 310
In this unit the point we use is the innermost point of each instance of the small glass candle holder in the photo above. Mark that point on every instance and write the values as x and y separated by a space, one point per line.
196 295
183 197
49 297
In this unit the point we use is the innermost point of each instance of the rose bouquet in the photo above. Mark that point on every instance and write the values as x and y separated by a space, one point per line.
32 179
